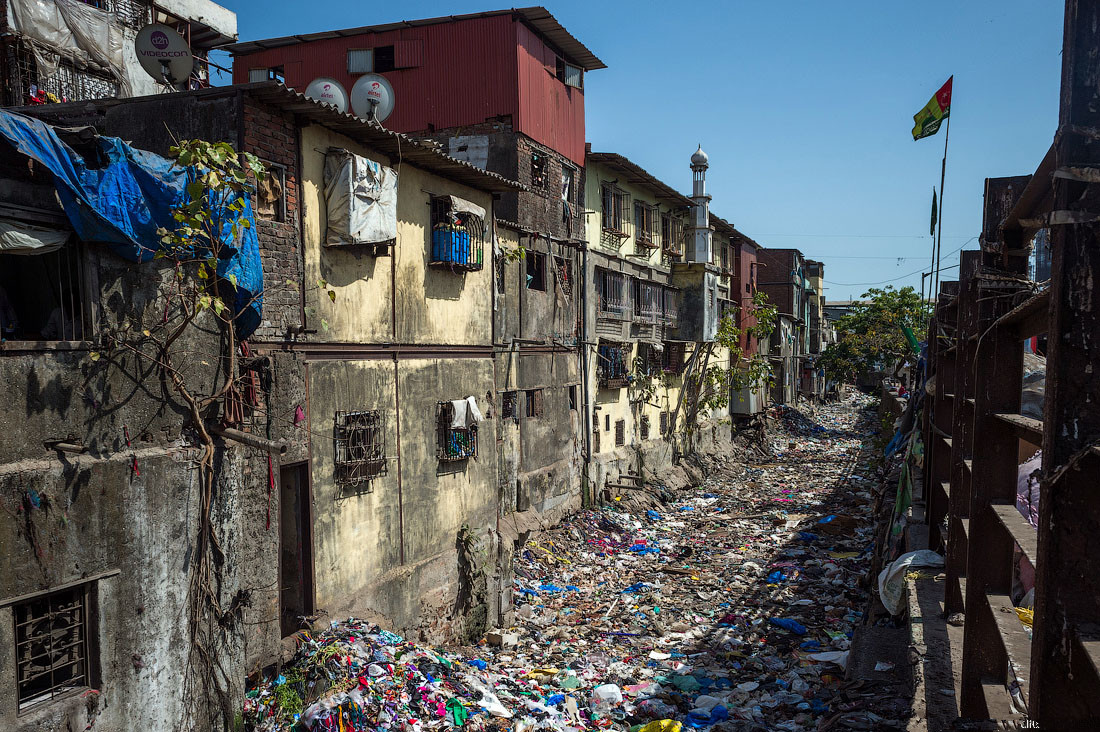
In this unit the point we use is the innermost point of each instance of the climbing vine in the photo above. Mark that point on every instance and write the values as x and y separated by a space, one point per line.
199 304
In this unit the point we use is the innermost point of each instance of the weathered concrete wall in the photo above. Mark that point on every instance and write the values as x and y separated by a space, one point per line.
433 305
390 551
129 533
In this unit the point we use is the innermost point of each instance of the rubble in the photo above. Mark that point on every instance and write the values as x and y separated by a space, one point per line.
731 606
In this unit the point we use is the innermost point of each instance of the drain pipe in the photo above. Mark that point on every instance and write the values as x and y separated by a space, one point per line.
586 422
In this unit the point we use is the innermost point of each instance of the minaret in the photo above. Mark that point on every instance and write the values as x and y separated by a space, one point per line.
701 247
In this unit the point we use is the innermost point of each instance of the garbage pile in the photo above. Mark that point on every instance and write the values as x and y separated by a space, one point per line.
731 607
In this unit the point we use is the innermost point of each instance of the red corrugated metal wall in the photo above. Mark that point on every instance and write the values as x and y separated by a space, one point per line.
466 71
460 73
549 111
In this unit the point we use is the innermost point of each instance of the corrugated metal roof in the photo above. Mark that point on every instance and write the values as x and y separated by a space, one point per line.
372 134
634 173
537 17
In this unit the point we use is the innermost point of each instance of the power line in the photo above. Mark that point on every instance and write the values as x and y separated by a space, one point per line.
895 279
858 236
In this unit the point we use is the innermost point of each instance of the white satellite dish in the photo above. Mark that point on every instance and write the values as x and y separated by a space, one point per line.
372 97
164 54
328 91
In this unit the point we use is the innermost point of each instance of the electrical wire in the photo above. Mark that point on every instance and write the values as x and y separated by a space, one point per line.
902 277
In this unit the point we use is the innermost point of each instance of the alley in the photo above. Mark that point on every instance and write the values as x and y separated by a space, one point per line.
730 603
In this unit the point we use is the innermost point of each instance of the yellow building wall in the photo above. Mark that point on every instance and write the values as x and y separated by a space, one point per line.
433 306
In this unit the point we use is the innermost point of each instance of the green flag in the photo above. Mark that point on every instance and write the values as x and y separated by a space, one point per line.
932 228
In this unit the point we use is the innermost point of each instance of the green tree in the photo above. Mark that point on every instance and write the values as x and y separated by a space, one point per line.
872 336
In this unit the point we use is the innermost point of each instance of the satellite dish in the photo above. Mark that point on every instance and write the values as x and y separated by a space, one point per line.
164 54
328 91
372 97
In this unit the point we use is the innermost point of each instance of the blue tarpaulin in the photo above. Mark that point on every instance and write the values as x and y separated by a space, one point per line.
124 203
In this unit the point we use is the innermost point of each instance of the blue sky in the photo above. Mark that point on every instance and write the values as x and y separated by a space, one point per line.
805 108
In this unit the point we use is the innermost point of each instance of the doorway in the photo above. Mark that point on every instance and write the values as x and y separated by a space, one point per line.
295 548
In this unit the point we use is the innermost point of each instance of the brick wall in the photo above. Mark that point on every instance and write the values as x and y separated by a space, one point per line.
272 136
541 209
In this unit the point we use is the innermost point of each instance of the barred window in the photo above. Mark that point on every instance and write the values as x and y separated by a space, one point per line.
672 360
457 236
359 440
645 226
51 645
611 298
616 202
539 179
453 443
645 427
647 301
664 423
573 397
620 433
611 366
670 306
672 235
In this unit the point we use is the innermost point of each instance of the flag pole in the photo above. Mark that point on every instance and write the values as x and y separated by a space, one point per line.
939 231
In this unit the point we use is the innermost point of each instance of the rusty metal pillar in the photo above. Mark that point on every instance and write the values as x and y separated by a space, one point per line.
1067 600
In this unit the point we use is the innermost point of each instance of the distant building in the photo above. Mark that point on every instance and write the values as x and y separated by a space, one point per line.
783 279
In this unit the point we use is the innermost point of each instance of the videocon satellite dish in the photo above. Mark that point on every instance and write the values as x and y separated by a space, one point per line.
372 97
328 91
164 54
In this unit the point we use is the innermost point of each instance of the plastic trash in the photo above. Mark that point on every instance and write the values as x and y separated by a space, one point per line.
891 580
789 624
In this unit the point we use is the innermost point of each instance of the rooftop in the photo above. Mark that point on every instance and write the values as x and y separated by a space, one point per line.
633 173
536 17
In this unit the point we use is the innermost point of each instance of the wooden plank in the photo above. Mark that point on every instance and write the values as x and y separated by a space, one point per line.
1027 428
998 702
1014 638
1029 318
1023 533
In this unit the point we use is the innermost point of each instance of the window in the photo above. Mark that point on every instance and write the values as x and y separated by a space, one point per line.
672 235
647 301
271 193
672 359
51 645
536 271
615 203
568 178
573 397
453 443
563 272
620 433
724 257
670 306
534 403
502 269
644 427
664 422
596 438
43 296
275 73
508 405
645 226
648 360
384 59
569 75
611 366
538 171
359 440
458 235
607 422
610 293
360 60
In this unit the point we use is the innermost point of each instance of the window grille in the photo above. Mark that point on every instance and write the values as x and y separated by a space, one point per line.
644 427
51 645
533 403
569 74
508 405
672 360
360 60
360 447
670 306
620 433
616 202
453 443
596 438
672 235
47 295
610 293
457 237
611 367
664 423
647 301
502 270
67 84
563 271
645 227
724 258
